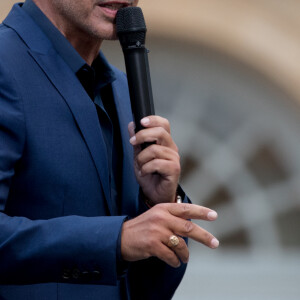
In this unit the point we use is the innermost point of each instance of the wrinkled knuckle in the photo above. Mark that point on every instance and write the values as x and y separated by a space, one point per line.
203 215
143 169
186 209
159 216
138 161
154 151
188 227
151 148
161 132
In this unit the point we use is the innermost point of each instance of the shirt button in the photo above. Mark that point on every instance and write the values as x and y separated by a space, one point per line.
85 68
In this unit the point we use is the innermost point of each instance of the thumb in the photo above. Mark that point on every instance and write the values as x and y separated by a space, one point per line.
131 127
131 130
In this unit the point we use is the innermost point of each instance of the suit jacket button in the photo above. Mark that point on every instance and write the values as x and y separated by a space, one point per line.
76 274
66 274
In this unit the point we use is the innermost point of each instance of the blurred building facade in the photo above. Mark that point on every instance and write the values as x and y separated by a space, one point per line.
227 76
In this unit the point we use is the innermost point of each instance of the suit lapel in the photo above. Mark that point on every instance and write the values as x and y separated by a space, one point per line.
83 110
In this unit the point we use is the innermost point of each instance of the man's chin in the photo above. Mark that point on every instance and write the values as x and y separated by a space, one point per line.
112 37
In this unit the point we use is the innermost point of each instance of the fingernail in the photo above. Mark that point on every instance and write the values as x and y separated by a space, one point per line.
215 243
132 140
145 121
212 215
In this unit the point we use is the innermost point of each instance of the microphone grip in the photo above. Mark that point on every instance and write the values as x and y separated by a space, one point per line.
139 83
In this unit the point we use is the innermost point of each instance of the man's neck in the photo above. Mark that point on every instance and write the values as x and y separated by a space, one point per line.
87 47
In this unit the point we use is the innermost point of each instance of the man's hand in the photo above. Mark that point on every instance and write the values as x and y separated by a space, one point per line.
157 168
148 234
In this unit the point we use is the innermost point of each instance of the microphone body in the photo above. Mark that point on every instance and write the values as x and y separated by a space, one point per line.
139 83
131 30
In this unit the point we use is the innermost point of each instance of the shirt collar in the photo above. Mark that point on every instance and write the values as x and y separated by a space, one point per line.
103 72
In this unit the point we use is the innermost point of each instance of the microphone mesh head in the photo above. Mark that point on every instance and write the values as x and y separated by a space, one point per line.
131 27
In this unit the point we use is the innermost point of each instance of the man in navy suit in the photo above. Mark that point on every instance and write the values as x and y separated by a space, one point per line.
84 212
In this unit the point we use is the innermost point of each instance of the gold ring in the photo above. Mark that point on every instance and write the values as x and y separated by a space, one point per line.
173 241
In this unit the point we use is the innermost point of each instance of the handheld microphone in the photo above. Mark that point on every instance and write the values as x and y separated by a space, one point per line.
131 30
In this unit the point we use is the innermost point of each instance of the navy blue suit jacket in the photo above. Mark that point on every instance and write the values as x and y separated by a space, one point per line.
58 232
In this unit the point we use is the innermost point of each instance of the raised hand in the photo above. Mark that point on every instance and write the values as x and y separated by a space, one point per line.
157 167
149 234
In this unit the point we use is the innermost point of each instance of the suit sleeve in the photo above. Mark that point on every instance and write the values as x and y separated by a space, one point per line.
64 249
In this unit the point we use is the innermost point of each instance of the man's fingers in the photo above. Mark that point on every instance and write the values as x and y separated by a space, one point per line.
181 249
168 256
149 234
173 256
157 152
156 121
162 167
178 221
131 128
191 230
183 227
191 211
156 134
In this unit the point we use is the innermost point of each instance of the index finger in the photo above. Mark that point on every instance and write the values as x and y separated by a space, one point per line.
192 211
156 121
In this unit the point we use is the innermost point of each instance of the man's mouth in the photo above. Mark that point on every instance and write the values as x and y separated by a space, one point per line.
110 8
114 5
